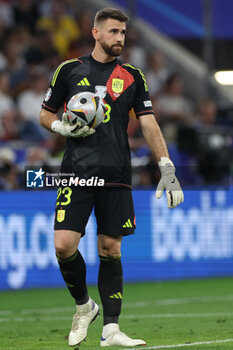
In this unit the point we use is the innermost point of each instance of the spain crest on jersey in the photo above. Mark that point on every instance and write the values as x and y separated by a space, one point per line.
117 85
61 215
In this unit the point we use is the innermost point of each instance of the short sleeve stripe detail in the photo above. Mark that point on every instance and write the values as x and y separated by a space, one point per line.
49 108
141 72
60 67
145 112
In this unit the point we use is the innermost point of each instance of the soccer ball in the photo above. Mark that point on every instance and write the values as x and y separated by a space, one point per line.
87 108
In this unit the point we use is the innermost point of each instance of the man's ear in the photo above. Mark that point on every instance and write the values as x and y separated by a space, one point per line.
95 33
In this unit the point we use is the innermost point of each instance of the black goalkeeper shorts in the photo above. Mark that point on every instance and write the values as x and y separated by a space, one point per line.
113 207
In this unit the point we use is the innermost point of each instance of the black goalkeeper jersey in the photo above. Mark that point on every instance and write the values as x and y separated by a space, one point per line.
106 153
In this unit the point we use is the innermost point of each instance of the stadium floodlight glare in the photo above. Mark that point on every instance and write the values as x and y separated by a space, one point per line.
224 77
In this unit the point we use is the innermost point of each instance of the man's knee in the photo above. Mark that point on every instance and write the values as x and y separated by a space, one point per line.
64 249
66 243
109 246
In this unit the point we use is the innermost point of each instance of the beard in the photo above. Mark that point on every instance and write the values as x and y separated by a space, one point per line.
113 50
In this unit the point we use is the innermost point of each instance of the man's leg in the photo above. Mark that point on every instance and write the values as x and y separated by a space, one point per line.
110 285
110 279
71 263
73 270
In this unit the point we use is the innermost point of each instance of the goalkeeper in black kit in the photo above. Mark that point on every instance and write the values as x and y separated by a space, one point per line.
102 152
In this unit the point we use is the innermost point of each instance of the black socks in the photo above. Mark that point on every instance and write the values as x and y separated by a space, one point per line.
110 285
73 270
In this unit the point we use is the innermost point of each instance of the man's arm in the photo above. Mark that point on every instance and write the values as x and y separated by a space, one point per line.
153 136
158 147
47 118
51 122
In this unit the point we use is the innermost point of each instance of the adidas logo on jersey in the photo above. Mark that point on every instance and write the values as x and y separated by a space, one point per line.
84 82
128 224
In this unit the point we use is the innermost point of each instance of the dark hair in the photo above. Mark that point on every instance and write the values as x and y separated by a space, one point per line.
110 12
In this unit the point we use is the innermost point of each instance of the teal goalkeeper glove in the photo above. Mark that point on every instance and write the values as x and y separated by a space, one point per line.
65 129
169 183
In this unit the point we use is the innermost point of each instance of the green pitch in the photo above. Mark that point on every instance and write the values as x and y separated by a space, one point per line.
168 315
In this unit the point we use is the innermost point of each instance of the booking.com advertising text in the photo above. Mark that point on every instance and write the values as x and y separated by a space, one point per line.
194 240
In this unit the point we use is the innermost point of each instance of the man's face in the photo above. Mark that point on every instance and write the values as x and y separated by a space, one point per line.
111 36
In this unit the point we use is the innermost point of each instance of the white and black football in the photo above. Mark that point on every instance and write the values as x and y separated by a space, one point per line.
87 108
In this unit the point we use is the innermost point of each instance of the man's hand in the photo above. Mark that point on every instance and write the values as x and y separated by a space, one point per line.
65 129
169 183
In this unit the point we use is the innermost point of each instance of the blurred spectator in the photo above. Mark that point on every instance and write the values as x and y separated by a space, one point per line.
40 52
6 14
50 63
207 112
29 105
26 13
37 156
30 51
23 38
85 23
45 7
210 143
172 104
80 47
62 27
3 30
8 170
189 137
3 62
157 72
7 109
16 65
13 125
29 101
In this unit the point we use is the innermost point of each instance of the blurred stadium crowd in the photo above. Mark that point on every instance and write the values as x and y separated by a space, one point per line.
35 37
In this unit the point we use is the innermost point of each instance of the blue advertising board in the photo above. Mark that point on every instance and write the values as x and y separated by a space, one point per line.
184 19
193 240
